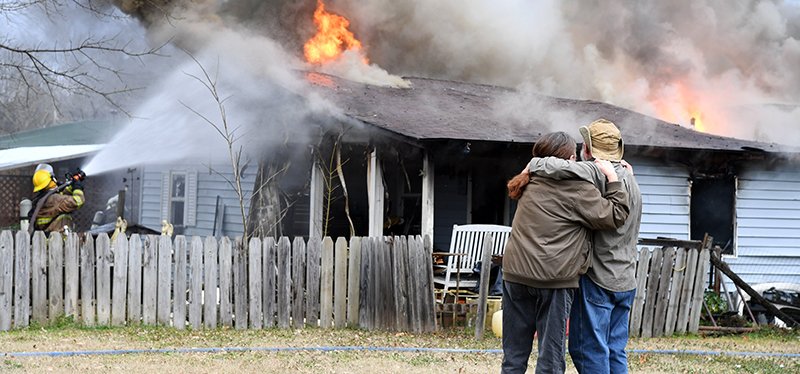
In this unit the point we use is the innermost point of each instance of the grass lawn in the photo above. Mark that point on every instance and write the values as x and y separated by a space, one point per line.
70 337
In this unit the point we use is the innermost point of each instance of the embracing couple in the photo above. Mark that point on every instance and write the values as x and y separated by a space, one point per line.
571 255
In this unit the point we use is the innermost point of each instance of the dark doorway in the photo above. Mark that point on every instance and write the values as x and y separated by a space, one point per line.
712 210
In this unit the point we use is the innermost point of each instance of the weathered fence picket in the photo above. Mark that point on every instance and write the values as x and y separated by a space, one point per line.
340 283
365 291
103 279
637 309
313 258
55 272
210 282
120 282
698 290
662 296
225 282
179 284
326 284
353 281
150 280
40 307
22 272
134 299
6 278
71 275
196 283
268 280
400 284
298 282
255 283
88 303
652 289
686 293
239 285
164 296
284 292
678 270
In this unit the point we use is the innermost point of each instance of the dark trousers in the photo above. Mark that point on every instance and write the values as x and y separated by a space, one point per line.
529 310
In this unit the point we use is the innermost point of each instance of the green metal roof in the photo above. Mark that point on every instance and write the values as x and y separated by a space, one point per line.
74 133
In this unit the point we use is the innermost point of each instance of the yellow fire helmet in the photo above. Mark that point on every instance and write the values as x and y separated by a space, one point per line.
42 179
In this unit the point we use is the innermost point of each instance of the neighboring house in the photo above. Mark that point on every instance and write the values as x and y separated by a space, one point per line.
66 147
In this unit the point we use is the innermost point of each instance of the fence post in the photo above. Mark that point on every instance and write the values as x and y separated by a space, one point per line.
88 265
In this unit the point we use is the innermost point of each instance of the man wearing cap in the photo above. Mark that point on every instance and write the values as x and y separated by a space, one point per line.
598 331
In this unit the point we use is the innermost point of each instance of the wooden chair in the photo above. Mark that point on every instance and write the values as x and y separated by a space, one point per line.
466 248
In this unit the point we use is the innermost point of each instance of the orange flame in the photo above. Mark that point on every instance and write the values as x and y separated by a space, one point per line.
332 38
683 105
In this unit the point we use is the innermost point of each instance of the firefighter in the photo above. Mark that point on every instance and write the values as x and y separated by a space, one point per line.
53 204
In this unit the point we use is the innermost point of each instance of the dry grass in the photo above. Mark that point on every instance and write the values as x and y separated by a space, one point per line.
68 337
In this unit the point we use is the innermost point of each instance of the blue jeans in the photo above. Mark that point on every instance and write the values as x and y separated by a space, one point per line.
527 310
598 328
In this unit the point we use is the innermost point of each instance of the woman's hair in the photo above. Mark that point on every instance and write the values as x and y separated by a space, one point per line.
557 144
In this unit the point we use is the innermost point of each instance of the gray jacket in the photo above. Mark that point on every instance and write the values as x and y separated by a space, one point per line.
615 252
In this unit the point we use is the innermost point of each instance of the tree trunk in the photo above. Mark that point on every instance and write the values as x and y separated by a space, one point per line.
265 206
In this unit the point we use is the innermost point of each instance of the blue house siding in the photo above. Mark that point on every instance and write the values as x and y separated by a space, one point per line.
210 184
665 199
767 225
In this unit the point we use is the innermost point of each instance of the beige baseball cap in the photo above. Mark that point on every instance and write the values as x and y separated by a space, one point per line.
603 138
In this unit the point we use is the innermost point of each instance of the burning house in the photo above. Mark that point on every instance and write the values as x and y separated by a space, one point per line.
419 160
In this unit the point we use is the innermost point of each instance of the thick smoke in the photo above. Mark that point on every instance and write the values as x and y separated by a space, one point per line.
727 63
265 103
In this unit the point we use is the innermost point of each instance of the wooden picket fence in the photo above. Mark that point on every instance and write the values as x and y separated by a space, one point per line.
373 283
670 283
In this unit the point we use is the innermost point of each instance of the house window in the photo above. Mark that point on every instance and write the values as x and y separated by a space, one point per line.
177 198
713 211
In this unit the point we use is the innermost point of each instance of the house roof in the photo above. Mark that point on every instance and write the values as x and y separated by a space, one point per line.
54 143
75 133
437 109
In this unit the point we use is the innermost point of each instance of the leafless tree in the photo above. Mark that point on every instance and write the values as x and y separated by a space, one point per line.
56 70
